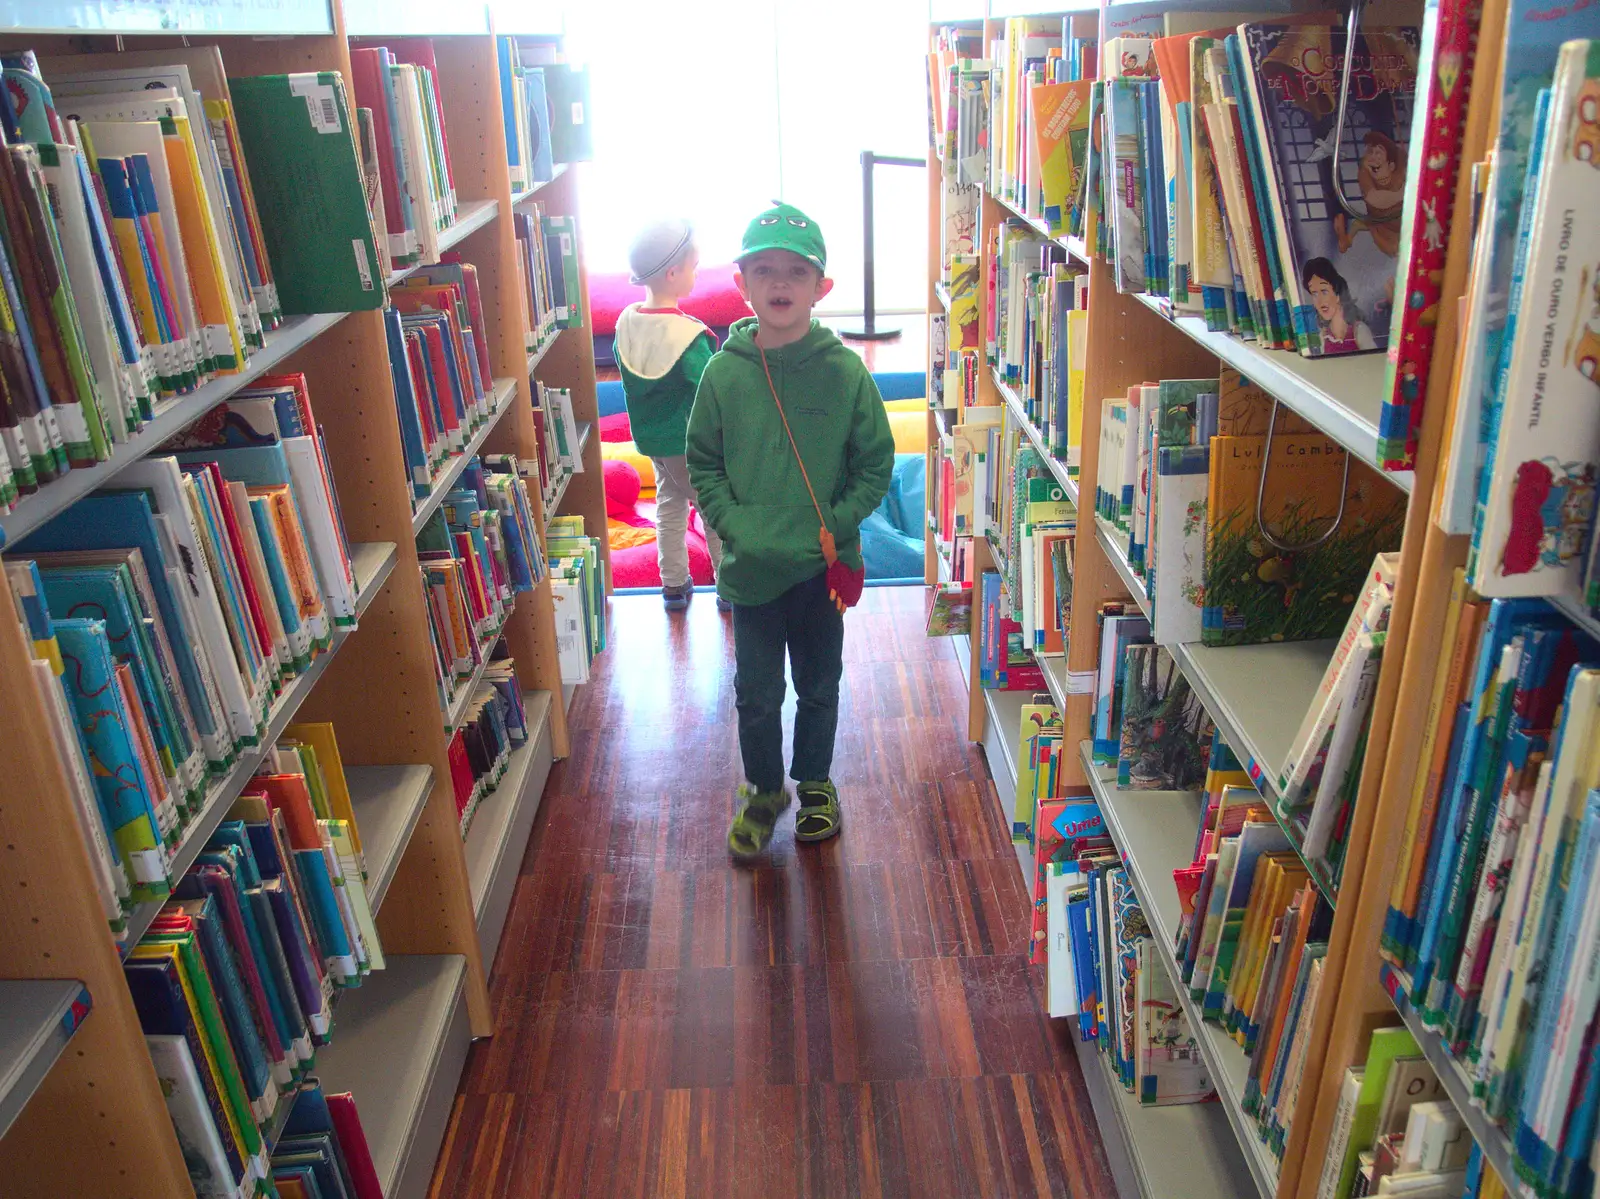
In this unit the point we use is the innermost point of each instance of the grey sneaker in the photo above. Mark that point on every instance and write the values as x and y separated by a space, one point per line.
724 605
676 599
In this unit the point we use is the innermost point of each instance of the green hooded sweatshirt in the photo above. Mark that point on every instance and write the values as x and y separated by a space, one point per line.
660 355
750 488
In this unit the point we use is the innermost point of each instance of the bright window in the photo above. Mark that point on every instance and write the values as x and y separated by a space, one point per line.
711 111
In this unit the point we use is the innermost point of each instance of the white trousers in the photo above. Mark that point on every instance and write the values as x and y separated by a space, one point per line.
674 495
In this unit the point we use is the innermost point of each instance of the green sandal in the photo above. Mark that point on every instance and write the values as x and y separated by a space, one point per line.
819 817
753 823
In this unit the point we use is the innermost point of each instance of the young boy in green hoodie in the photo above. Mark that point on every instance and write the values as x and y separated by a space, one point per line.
661 352
784 391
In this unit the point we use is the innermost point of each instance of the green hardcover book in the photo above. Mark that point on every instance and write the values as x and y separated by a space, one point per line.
1386 1045
298 139
567 90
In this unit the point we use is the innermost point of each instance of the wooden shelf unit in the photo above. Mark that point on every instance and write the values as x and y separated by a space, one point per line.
96 1124
1132 339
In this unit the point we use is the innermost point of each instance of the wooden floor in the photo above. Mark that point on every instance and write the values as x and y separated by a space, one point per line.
851 1019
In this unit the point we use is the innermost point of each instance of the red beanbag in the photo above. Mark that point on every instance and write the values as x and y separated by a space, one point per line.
616 427
622 489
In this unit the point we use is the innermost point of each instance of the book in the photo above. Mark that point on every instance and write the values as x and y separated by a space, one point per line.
1256 591
1165 730
1338 268
1538 495
312 204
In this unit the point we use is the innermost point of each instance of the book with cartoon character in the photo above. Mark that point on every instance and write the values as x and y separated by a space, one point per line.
1533 532
1339 268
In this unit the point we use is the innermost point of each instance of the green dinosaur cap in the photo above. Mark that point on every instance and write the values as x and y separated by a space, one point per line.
785 227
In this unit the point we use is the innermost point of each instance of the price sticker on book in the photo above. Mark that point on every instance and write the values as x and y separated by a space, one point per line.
320 103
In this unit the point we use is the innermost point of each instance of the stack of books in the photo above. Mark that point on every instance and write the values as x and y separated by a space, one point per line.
398 83
1103 968
547 263
477 551
1180 491
137 263
1038 330
561 454
183 602
544 102
1524 457
443 393
1251 940
1490 908
1395 1131
578 589
234 983
495 724
525 111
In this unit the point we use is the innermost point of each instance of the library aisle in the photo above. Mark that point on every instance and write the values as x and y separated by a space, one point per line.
856 1018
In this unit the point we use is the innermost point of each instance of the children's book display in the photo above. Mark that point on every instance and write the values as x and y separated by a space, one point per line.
235 978
186 598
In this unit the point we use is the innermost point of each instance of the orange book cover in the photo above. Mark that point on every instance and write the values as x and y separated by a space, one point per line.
289 794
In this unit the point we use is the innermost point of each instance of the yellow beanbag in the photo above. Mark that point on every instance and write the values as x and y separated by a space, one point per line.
908 421
625 451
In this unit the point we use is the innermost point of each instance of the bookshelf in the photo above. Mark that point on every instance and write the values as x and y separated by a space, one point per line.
81 1111
37 1020
1154 831
34 510
1256 694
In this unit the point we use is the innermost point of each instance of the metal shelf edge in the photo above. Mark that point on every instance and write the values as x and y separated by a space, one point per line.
36 1022
503 388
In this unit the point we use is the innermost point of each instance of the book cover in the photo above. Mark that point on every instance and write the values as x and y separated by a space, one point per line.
1171 1068
1339 269
1544 467
312 201
1165 729
1061 130
1254 590
1126 181
1177 583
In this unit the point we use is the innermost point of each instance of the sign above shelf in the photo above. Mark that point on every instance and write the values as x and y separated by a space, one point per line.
268 17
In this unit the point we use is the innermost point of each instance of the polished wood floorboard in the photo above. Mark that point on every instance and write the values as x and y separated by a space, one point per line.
849 1019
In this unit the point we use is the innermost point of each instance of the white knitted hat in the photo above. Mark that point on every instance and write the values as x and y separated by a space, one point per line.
658 246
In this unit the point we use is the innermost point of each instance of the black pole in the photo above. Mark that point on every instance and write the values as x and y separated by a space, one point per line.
869 264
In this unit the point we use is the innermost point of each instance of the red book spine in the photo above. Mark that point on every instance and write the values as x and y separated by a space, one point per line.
370 79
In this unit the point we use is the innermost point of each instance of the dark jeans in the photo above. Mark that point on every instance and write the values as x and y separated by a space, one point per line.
804 622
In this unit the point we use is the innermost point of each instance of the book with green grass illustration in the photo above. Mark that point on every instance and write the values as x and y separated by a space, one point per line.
1255 589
